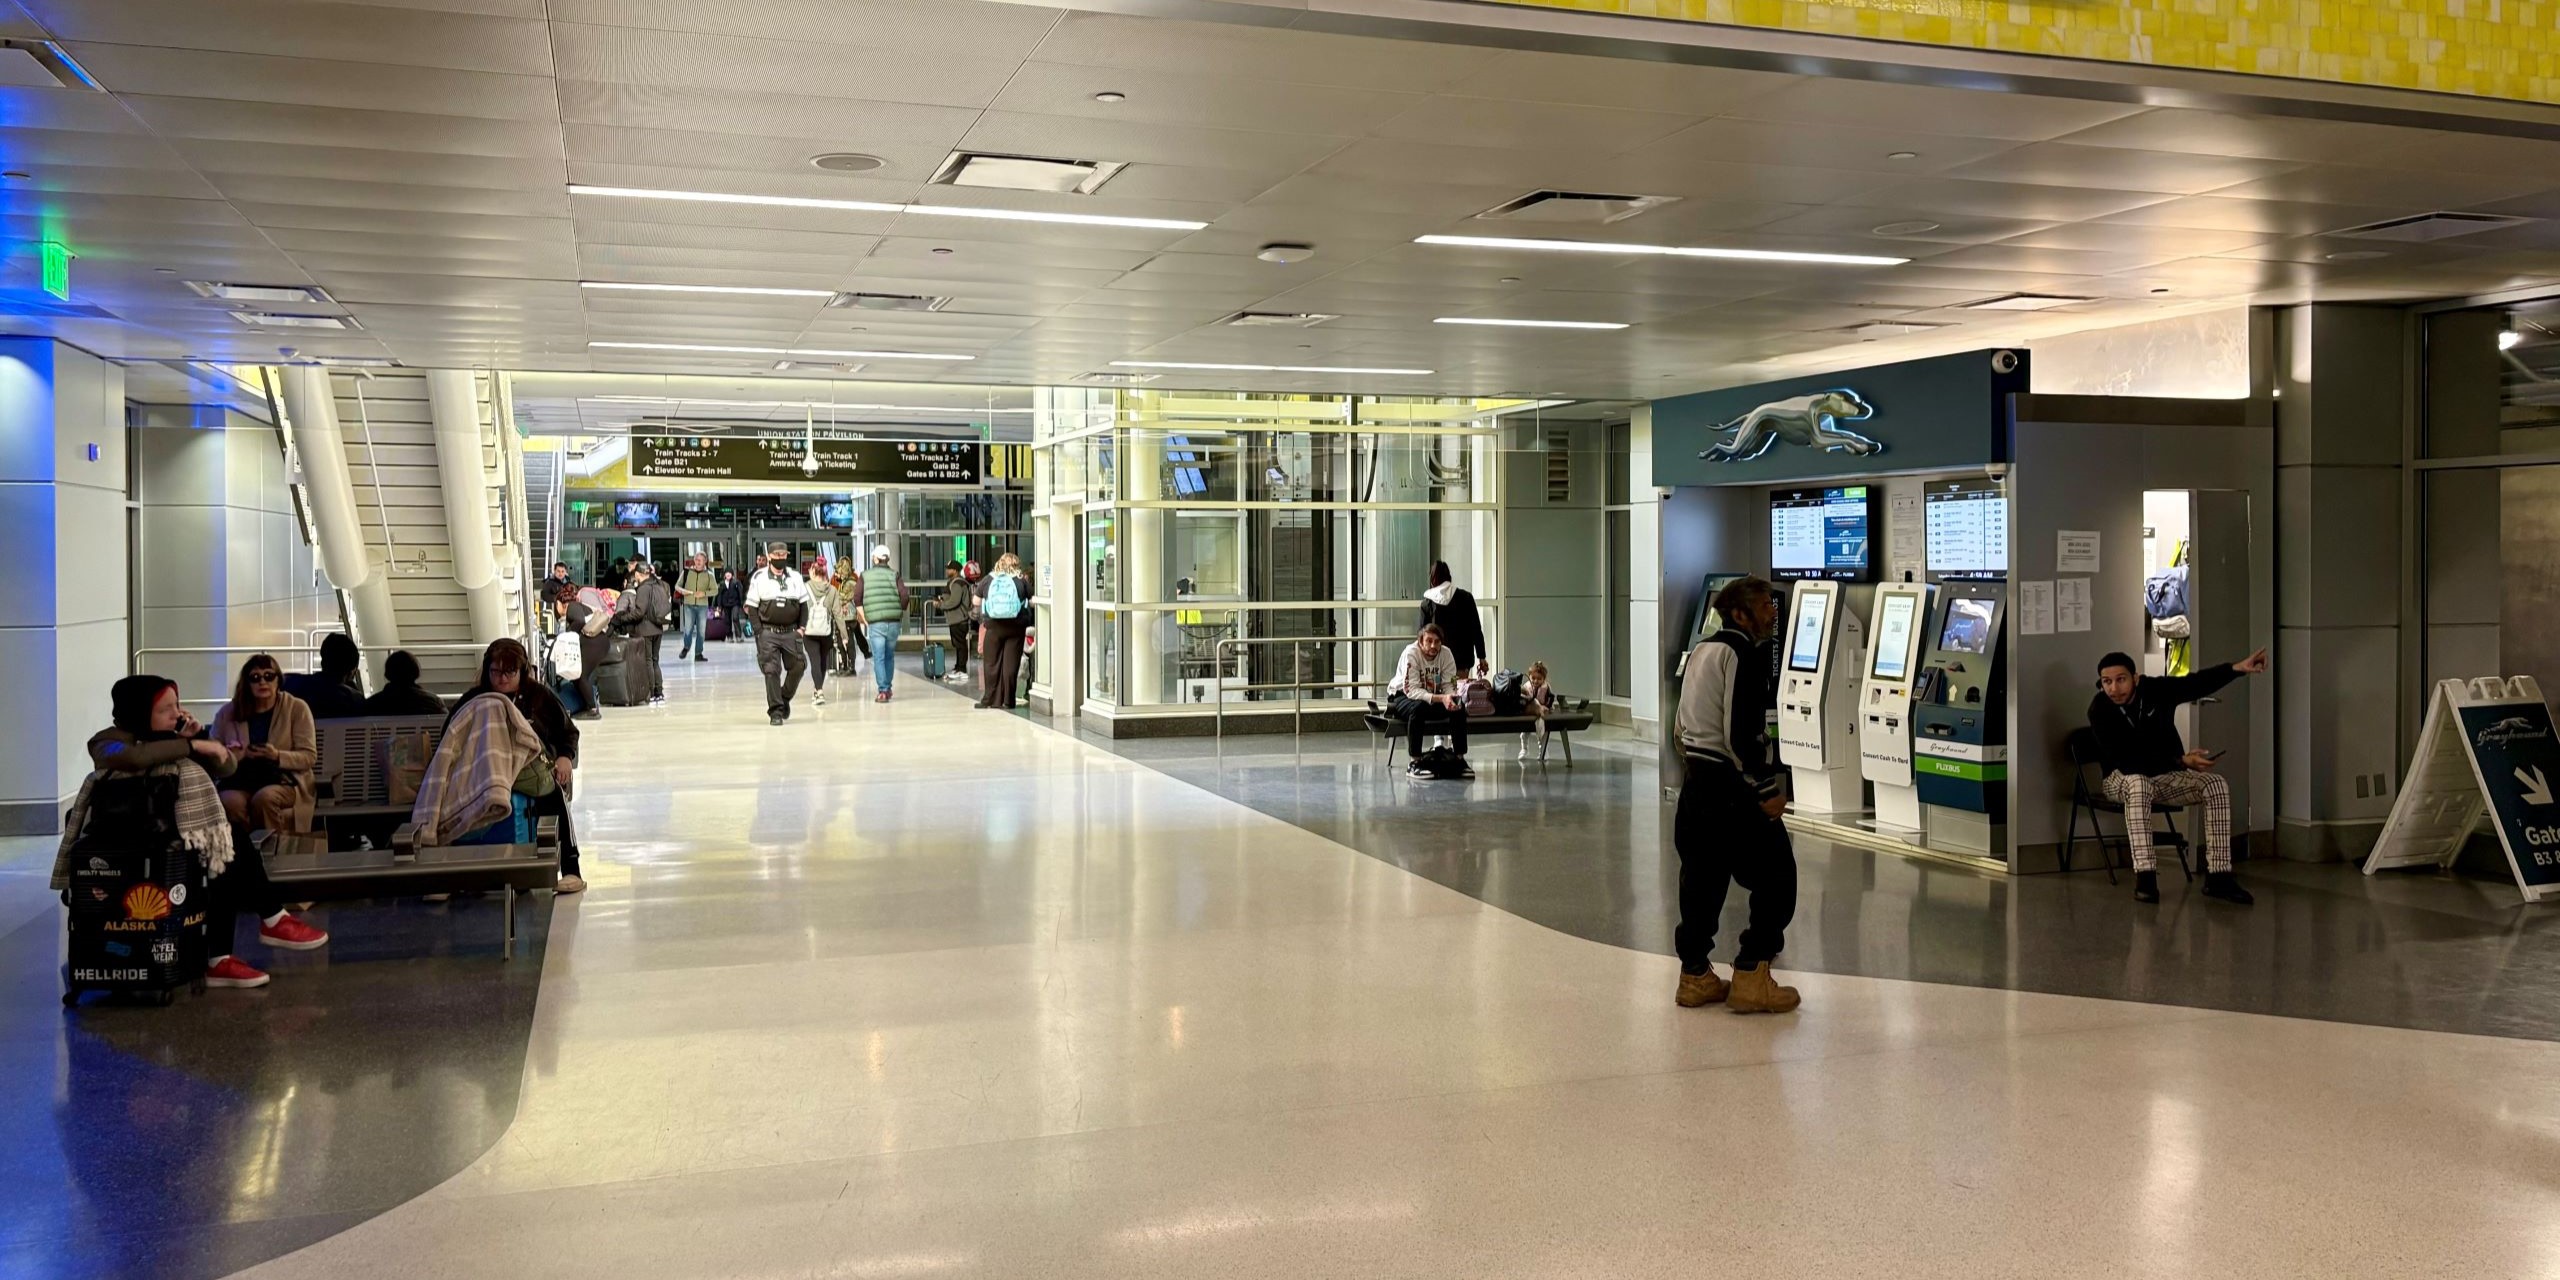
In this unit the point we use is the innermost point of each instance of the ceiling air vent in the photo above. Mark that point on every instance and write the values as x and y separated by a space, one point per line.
1875 329
1279 319
1584 207
2426 227
1116 379
1026 173
889 301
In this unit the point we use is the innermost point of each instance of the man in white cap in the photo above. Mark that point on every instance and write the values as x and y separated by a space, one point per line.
880 605
778 599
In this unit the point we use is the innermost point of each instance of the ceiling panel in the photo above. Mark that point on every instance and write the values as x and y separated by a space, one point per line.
623 55
293 124
1955 113
918 25
186 73
2061 164
453 36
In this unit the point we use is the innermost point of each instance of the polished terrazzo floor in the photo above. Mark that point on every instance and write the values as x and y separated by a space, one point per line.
914 990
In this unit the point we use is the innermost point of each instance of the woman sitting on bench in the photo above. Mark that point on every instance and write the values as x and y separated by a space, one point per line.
273 742
504 669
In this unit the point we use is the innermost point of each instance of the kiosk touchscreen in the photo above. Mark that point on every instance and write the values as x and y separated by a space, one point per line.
1901 630
1820 649
1960 748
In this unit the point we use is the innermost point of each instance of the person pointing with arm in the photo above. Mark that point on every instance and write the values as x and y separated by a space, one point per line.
2144 761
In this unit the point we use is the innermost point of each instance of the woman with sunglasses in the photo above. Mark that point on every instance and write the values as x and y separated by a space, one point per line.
502 672
271 734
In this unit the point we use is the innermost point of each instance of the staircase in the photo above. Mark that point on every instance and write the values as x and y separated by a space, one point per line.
543 488
391 456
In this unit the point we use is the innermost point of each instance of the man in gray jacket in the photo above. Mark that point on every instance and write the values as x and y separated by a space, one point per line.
645 607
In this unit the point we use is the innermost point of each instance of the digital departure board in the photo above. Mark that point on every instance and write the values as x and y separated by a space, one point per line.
1822 534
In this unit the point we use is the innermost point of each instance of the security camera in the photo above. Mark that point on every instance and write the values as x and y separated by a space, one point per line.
2004 362
1998 470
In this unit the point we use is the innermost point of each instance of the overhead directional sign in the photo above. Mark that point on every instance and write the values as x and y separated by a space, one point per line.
840 462
2488 748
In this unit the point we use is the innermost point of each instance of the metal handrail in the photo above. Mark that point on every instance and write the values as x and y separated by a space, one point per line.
1298 683
310 651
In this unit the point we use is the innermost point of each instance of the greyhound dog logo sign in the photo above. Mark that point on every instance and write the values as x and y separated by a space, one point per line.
1811 421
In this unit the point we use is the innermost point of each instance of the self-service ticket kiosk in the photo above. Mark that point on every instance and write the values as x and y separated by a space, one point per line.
1960 752
1820 655
1900 635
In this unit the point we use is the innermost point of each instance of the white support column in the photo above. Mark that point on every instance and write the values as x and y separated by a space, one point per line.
310 401
453 407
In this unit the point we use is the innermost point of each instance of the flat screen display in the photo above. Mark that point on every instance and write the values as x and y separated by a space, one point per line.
1821 534
1893 636
635 515
1968 530
835 515
1804 648
1969 621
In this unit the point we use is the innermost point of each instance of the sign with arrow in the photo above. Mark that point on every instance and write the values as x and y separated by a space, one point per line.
2488 749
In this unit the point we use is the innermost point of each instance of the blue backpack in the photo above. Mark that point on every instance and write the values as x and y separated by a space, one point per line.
1004 596
2164 594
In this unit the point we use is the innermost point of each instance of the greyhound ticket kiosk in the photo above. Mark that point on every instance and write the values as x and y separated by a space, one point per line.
1884 704
1960 748
1818 674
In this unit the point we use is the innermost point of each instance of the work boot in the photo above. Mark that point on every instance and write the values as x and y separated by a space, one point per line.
2146 886
1756 990
2226 886
1701 989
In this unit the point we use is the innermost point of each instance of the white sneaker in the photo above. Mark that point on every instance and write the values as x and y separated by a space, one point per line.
658 701
1524 749
822 700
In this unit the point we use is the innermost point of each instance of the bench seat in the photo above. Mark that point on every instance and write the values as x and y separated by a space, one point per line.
404 870
1561 724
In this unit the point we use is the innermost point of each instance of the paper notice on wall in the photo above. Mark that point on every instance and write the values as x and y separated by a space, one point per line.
2071 604
1906 540
2075 551
2035 608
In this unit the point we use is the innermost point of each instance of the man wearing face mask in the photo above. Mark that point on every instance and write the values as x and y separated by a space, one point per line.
1728 828
778 600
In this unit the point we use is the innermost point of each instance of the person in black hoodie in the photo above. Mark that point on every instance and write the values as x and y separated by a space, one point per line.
2145 761
508 671
334 692
1729 826
1449 607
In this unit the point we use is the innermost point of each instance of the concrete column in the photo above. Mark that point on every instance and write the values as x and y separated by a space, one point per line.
453 408
2339 372
311 405
1143 536
63 625
1644 544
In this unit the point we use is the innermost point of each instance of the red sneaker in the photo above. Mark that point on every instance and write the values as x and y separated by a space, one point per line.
291 934
231 971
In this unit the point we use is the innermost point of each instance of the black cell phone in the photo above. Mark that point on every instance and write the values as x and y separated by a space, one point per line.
2213 755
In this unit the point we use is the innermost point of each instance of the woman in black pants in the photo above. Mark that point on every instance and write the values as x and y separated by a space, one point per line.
591 650
151 729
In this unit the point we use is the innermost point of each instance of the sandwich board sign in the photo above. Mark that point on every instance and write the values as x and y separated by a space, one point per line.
2488 747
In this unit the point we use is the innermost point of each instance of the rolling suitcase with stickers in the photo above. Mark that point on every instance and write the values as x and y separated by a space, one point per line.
136 896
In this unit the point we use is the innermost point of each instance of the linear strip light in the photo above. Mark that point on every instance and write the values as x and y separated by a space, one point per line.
877 206
1664 250
706 288
780 351
1530 324
791 404
1264 368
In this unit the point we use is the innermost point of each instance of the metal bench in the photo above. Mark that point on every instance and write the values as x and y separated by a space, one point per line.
1562 724
405 870
355 765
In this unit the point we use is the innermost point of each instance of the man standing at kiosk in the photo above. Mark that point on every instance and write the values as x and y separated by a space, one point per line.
2145 761
1732 796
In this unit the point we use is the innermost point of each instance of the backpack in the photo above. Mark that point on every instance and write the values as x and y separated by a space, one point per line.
782 611
1441 763
1476 696
2164 594
1004 597
1507 700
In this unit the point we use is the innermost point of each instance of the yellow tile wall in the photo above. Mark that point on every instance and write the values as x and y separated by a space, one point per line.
2492 48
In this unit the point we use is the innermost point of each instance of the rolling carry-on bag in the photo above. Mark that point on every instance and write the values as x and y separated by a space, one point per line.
136 896
617 677
933 661
715 627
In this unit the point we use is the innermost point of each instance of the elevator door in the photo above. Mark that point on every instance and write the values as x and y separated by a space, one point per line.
2224 620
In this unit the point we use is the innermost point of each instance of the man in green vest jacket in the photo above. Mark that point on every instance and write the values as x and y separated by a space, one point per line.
695 590
881 605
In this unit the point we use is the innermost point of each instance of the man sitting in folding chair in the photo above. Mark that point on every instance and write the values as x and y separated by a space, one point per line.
2143 760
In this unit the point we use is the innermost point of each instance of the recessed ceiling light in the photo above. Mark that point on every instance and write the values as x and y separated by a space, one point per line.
847 162
1508 280
2161 289
261 292
706 288
166 271
15 175
1675 251
1902 155
1875 329
1109 96
2355 255
1911 228
876 206
1285 254
1529 324
1264 368
778 351
2024 302
942 253
274 320
2509 339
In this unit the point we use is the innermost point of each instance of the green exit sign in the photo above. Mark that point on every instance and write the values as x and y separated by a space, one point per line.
57 270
